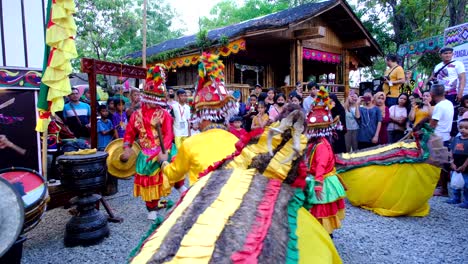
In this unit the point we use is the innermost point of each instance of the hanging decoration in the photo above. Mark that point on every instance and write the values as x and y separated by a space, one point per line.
432 44
318 55
244 68
232 47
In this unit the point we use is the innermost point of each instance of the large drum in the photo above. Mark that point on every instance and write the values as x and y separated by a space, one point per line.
11 218
33 191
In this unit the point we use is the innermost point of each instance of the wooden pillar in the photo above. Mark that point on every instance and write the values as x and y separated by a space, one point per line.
345 77
93 91
292 62
299 61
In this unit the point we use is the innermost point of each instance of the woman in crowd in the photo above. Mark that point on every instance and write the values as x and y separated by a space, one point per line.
277 108
398 118
371 122
379 101
421 109
295 98
338 140
352 118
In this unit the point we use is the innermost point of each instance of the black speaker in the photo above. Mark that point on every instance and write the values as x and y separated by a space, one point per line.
363 86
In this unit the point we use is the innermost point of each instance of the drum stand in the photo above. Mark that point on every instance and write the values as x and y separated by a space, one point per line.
111 218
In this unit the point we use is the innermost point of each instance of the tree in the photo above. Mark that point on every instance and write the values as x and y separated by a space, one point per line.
109 30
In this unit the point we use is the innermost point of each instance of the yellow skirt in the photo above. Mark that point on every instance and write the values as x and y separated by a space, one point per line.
394 190
314 242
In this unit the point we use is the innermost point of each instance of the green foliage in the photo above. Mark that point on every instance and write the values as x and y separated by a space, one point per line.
223 40
202 40
396 22
109 30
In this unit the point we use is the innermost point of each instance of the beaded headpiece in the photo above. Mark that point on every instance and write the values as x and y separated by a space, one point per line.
155 87
320 122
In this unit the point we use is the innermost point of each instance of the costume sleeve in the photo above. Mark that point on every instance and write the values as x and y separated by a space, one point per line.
168 132
131 131
320 161
179 167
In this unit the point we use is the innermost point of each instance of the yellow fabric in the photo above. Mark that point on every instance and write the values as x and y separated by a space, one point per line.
314 243
81 152
212 221
154 241
397 74
332 222
244 159
199 152
400 144
178 141
420 114
59 37
394 190
278 168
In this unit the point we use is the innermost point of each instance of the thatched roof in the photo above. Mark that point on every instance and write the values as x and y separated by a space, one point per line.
273 21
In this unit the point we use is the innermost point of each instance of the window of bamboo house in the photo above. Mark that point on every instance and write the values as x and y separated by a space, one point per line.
182 76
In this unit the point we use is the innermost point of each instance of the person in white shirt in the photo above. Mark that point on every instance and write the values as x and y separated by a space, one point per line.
313 88
441 121
451 74
181 118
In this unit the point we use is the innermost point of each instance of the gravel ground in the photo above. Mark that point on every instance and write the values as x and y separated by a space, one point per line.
441 237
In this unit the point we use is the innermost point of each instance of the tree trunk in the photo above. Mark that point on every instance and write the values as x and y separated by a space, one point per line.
457 11
143 51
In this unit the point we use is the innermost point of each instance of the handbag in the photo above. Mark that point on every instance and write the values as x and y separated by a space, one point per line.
457 181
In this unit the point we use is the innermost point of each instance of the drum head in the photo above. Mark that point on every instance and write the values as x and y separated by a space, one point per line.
28 183
11 215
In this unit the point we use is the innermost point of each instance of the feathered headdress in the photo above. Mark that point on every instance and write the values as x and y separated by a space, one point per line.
320 122
212 101
155 87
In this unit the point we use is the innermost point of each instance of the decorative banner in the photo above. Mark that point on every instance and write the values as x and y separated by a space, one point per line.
20 78
432 44
317 55
457 37
233 47
59 50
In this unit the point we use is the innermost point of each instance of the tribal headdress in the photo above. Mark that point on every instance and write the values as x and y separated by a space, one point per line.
320 122
155 87
212 101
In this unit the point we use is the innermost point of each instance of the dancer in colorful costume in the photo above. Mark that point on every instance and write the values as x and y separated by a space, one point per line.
247 208
143 125
214 107
325 193
396 179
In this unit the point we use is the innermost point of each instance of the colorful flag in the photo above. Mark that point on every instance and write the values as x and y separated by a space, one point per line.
59 50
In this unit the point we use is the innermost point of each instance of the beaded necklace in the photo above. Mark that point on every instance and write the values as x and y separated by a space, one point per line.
214 126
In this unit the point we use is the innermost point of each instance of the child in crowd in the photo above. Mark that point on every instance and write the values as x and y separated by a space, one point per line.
276 109
398 119
105 128
459 150
261 119
236 127
463 107
194 128
371 122
110 106
250 111
119 118
353 116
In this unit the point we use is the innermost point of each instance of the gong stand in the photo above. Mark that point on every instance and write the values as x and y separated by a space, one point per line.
93 67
